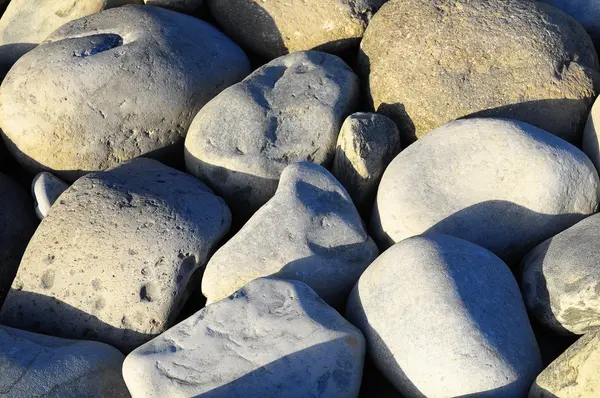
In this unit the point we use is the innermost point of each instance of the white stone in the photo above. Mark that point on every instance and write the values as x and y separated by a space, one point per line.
46 188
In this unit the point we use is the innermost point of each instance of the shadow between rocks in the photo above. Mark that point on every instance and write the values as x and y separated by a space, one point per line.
10 53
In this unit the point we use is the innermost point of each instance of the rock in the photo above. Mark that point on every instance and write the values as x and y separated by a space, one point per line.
427 63
113 86
187 6
366 145
444 317
502 184
310 231
574 374
586 12
591 140
116 258
561 279
46 188
35 365
271 339
274 28
289 110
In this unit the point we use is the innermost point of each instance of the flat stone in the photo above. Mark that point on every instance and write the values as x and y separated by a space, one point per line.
46 188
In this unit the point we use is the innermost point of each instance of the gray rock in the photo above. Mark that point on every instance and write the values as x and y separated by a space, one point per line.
502 184
366 145
113 86
272 338
309 231
177 5
46 188
586 12
35 365
444 317
426 63
289 110
591 139
117 256
561 279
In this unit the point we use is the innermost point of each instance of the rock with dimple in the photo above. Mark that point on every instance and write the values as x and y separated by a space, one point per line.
426 63
117 256
272 338
35 365
46 188
586 12
309 231
574 374
112 86
561 279
444 317
366 145
289 110
502 184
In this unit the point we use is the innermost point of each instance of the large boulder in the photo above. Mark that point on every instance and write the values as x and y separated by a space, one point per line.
426 63
116 257
586 12
289 110
35 365
272 338
444 317
502 184
112 86
309 231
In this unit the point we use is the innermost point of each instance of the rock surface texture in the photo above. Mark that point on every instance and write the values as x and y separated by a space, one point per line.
586 12
46 188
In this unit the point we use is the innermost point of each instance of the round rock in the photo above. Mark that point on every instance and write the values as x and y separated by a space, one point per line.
586 12
46 188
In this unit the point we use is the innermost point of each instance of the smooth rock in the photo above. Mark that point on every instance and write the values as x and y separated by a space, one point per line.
46 188
277 27
502 184
591 139
574 374
444 317
366 145
289 110
187 6
309 231
116 258
35 365
272 338
586 12
426 63
115 85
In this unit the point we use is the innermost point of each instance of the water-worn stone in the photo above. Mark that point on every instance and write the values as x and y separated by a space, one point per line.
272 338
309 231
574 374
46 188
35 365
444 317
177 5
289 110
277 27
113 86
586 12
502 184
591 137
426 63
116 257
366 145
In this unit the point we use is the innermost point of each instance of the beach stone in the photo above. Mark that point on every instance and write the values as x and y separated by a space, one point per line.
46 188
35 365
591 140
574 374
177 5
515 59
116 258
309 231
586 12
366 145
272 338
289 110
459 180
112 86
277 27
444 317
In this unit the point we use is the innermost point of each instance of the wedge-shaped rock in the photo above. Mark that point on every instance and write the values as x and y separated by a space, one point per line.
46 188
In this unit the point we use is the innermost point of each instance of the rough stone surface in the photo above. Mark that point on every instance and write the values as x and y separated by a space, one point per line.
277 27
272 338
591 137
574 374
561 279
309 231
113 86
366 145
444 317
289 110
426 63
586 12
115 257
459 180
35 365
46 188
